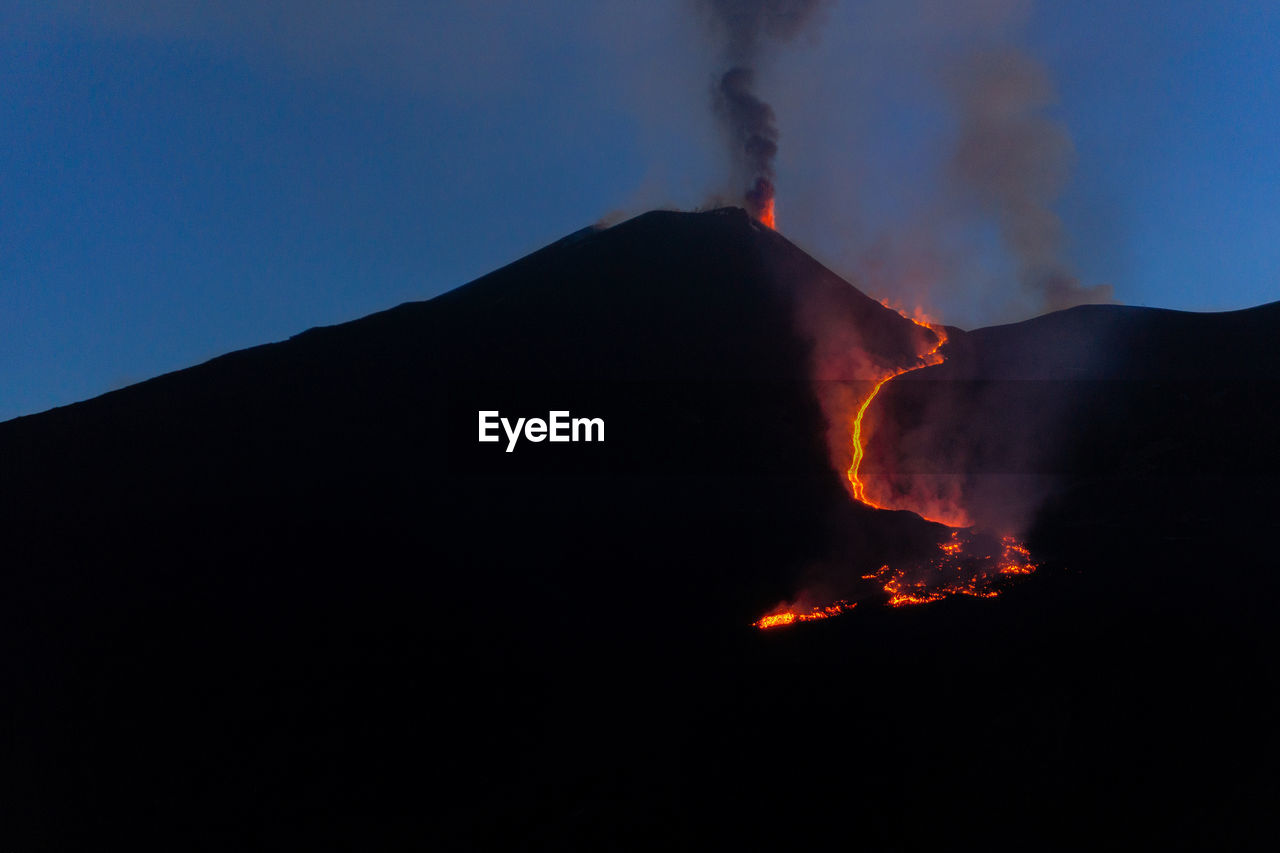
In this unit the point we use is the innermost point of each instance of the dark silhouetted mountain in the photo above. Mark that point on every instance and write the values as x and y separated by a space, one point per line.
1159 422
286 598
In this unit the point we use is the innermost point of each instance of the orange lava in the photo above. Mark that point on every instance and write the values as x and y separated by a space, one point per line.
1017 559
968 563
790 617
951 548
766 214
929 359
955 572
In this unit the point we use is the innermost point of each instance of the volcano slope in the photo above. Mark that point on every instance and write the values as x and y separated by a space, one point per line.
286 597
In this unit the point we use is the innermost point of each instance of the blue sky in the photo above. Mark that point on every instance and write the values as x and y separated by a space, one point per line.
179 182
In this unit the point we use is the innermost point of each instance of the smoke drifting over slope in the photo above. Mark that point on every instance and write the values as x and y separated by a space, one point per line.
1014 162
1003 161
917 134
746 27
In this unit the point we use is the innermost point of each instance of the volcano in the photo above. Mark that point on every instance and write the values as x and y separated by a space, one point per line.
287 596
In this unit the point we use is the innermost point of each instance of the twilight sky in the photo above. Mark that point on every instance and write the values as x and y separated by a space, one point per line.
181 179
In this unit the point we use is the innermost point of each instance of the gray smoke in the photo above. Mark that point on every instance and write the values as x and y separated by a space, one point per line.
1013 161
746 28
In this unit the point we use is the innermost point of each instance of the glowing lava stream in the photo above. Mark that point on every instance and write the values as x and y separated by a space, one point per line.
952 572
929 359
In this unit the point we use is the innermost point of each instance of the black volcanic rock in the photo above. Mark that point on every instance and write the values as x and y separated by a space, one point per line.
285 598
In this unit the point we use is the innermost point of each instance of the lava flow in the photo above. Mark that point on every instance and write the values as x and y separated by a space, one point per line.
968 563
932 357
956 570
785 616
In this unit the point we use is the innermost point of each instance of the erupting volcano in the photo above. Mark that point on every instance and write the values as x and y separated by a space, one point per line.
765 421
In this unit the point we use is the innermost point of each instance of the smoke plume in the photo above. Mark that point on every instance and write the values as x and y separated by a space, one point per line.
1014 161
746 27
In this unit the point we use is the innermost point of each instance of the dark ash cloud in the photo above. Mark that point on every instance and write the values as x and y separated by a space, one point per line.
746 28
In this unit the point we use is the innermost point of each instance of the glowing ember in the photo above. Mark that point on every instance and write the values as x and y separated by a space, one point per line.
964 567
953 547
766 214
1016 559
790 617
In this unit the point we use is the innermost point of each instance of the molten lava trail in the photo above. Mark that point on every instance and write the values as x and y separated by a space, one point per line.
929 359
968 563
